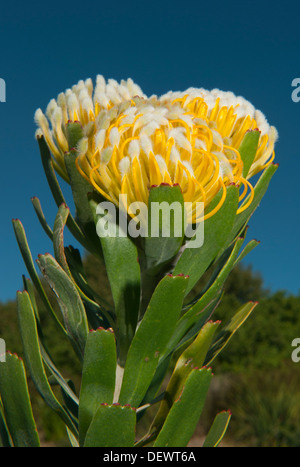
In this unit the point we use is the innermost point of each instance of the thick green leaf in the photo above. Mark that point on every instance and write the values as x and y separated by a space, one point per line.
151 338
217 228
248 149
184 415
98 376
228 331
218 430
192 357
69 301
121 260
113 426
34 361
27 257
16 403
164 237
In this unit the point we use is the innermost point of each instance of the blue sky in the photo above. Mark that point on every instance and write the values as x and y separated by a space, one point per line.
250 48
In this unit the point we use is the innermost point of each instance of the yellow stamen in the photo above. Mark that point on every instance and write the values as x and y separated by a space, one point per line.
192 140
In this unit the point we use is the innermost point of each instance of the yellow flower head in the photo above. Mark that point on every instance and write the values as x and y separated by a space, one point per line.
132 142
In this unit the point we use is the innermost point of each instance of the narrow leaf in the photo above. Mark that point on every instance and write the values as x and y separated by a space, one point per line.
41 217
197 310
217 431
34 362
229 330
192 357
259 191
27 257
58 237
4 433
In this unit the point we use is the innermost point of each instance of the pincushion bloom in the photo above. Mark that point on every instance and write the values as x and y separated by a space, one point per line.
131 142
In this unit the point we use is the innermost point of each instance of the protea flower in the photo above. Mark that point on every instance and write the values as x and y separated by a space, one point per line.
195 147
130 142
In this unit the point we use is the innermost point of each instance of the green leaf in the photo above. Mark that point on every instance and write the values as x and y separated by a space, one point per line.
121 261
16 403
201 320
192 357
218 430
248 248
67 391
165 239
248 149
184 415
28 286
113 426
151 338
4 433
80 189
195 261
98 376
198 307
38 209
79 275
71 264
221 270
59 199
43 348
27 257
229 330
259 191
34 362
69 301
73 440
58 237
